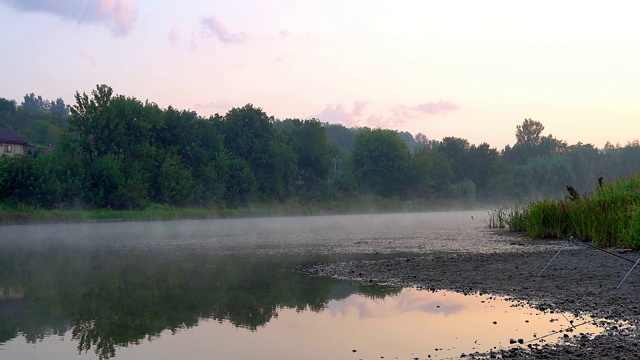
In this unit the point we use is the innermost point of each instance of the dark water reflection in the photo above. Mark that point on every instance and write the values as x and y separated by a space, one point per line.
108 299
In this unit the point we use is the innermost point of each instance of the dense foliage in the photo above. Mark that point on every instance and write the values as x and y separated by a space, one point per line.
608 216
117 152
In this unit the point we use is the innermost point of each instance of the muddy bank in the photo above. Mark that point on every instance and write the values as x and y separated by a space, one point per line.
580 280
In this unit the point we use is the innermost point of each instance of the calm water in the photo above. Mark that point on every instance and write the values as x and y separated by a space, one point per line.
232 289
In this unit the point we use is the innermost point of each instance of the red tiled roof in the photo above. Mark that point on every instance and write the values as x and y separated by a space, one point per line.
9 136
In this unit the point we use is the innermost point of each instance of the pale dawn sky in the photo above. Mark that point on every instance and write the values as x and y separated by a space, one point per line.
470 69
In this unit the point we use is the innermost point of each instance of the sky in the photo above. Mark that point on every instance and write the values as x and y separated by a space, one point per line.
469 69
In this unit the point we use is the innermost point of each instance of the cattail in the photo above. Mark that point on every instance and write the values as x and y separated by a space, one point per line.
573 193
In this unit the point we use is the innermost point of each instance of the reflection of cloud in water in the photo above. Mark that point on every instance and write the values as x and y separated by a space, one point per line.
405 302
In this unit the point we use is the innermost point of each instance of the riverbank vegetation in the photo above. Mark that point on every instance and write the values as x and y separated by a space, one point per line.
111 156
608 216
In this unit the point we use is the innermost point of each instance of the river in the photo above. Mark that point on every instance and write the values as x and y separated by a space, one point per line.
234 289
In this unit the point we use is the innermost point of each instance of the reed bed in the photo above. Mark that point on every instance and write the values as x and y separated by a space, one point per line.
609 216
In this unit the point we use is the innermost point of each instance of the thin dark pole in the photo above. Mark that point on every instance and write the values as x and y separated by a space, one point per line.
554 256
626 276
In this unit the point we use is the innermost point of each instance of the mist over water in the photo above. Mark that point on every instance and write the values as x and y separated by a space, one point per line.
104 287
371 233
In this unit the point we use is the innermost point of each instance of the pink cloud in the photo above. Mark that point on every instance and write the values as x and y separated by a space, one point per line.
392 118
118 15
436 107
220 31
339 114
401 114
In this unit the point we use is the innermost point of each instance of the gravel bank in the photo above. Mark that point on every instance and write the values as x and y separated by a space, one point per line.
580 280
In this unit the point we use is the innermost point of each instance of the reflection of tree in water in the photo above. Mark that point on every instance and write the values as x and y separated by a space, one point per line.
110 299
375 291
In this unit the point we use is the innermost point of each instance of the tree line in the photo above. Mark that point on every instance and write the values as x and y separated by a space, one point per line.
115 151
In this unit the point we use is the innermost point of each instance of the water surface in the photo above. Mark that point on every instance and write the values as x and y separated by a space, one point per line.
233 289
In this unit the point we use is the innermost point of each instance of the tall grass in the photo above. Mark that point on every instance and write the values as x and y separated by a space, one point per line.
609 216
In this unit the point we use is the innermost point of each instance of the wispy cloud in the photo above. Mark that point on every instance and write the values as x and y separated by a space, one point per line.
436 107
390 118
220 31
174 36
340 114
177 40
118 15
402 114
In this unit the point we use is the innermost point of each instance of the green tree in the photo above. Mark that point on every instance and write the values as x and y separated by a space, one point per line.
529 133
421 174
457 149
40 130
116 137
201 151
175 182
380 162
629 158
315 154
311 144
7 111
249 134
544 176
34 104
584 159
408 139
530 143
341 136
485 164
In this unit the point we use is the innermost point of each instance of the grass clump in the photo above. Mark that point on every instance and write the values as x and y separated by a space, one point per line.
609 216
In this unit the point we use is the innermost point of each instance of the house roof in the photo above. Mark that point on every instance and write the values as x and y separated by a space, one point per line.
9 136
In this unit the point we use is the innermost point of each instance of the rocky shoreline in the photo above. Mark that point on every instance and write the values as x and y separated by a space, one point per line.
580 280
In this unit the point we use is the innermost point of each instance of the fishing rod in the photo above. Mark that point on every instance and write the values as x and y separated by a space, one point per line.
555 332
570 238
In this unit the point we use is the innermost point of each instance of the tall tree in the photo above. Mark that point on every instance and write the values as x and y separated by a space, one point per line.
117 137
311 143
7 111
430 172
317 156
34 104
485 164
457 149
530 143
249 134
380 162
529 133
